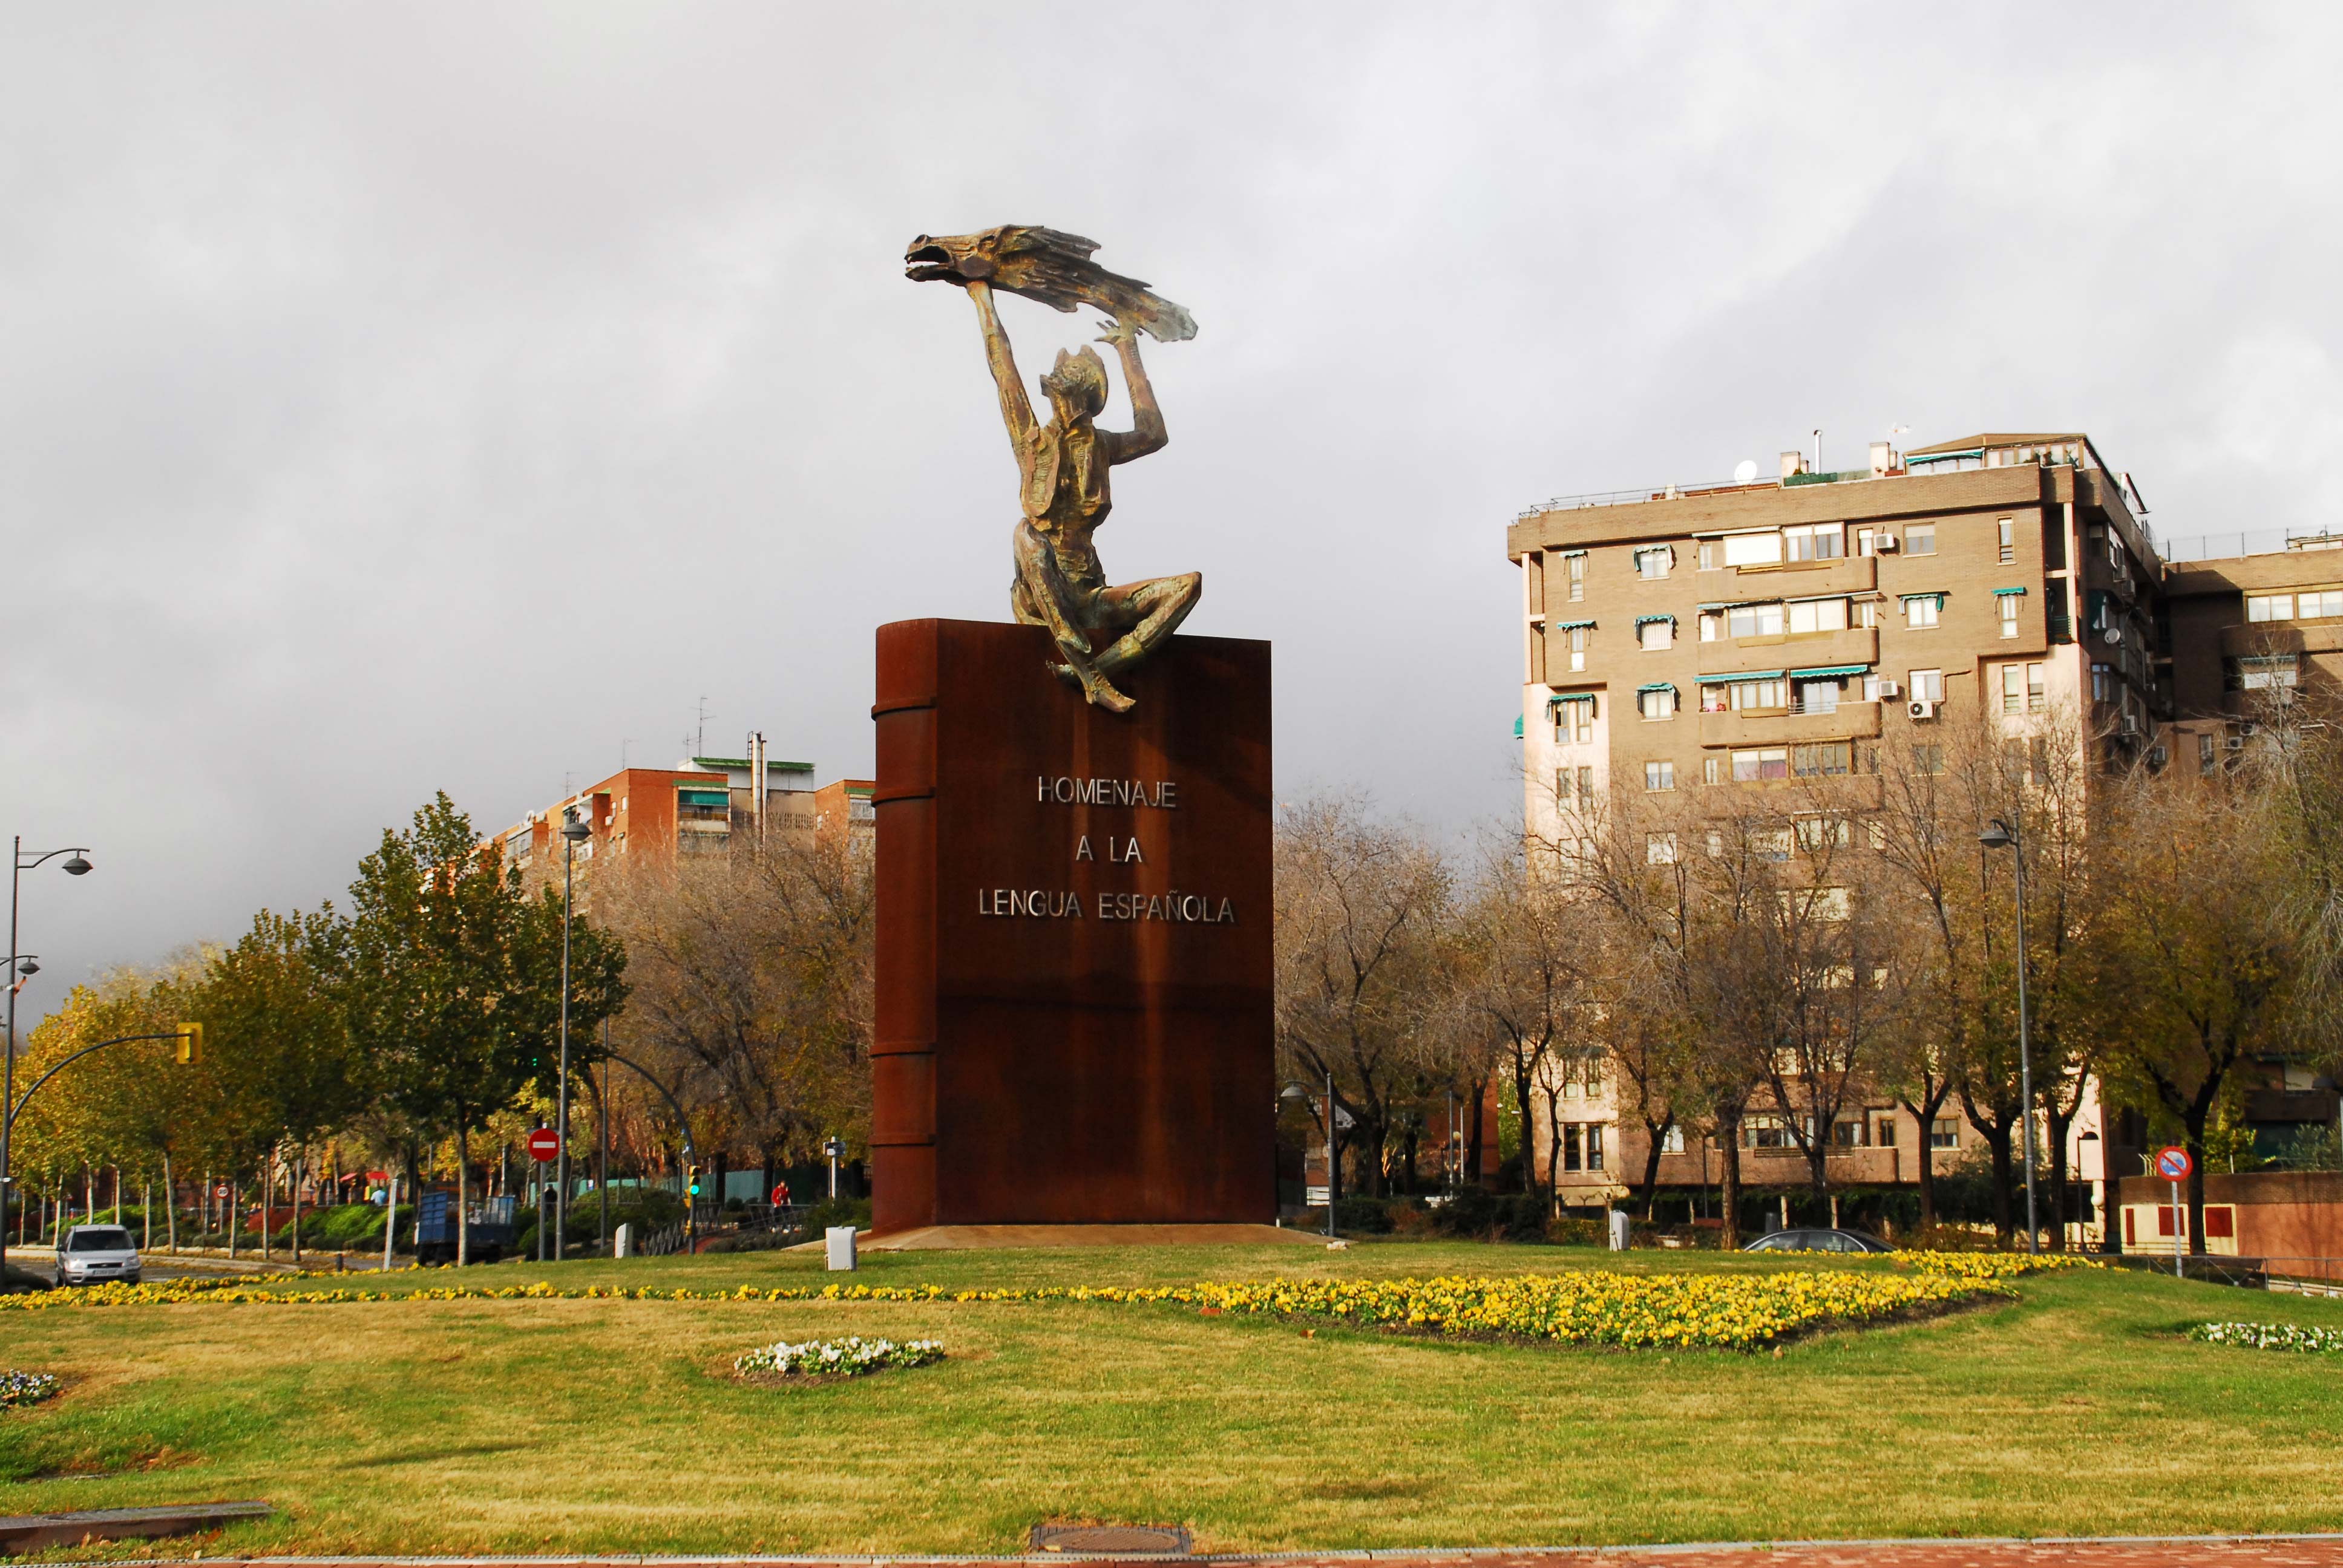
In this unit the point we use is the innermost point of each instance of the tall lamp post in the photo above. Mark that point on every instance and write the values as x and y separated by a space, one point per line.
21 968
1295 1092
2011 835
573 833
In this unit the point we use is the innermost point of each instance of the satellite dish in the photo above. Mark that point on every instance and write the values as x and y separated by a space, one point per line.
2112 634
1745 471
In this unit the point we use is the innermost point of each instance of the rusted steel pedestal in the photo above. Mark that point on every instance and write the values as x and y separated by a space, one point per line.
1073 989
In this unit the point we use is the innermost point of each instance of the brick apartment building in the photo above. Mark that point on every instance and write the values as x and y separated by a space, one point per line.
703 806
1692 638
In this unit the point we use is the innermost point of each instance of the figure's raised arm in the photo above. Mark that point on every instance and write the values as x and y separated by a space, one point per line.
1016 408
1146 432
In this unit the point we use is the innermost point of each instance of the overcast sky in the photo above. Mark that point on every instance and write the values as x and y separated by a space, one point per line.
407 399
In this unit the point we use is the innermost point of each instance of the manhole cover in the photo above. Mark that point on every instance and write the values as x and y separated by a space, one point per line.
1110 1539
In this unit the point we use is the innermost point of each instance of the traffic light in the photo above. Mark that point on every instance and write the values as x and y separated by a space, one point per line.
691 1182
190 1046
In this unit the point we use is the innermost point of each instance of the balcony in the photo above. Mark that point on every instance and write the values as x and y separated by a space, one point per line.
1804 580
1804 650
1788 726
2281 637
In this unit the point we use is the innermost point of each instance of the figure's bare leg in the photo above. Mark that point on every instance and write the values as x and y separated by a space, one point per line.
1045 594
1153 610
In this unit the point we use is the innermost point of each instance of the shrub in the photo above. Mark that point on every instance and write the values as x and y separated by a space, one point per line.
1362 1216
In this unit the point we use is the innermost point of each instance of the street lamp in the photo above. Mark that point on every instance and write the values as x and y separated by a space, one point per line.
573 833
2011 835
1295 1092
21 968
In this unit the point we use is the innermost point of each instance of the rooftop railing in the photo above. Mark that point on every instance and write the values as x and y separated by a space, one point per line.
2247 542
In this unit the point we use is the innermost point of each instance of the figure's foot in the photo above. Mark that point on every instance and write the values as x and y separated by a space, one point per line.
1065 672
1101 694
1128 650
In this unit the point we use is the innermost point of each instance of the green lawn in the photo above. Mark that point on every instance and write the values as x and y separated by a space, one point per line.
603 1425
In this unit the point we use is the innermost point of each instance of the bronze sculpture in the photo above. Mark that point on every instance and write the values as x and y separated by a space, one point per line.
1063 465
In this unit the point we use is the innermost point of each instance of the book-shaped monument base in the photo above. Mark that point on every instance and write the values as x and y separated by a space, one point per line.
1072 1021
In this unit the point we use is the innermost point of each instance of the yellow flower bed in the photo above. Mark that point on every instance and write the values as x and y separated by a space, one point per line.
1736 1311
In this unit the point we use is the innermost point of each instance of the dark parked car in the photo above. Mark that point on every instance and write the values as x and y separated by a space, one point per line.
1824 1241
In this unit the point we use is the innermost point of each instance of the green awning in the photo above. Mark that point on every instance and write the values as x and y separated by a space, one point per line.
1565 555
1817 674
1739 675
1559 697
2004 592
1937 597
1657 685
1648 619
703 796
1571 625
1517 727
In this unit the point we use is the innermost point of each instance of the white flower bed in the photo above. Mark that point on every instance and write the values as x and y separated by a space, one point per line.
20 1388
2270 1336
849 1357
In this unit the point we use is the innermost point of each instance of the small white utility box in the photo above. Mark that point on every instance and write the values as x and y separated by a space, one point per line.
841 1247
1619 1227
622 1245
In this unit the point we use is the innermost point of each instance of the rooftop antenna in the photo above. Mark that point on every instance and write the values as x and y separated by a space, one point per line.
701 750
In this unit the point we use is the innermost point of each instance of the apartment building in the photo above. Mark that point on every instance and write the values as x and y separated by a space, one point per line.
703 806
2245 632
1731 636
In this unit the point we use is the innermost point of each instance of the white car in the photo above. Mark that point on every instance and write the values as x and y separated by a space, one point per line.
91 1253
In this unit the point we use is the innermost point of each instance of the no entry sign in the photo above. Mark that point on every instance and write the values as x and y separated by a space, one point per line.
544 1145
2174 1164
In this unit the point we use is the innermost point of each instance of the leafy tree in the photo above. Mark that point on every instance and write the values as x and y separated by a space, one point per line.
449 981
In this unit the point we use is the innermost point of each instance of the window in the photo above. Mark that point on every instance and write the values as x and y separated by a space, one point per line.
2008 603
1771 843
2269 607
1574 719
2009 540
1824 833
1866 613
1928 686
1672 1139
1752 549
1712 625
2037 691
1708 555
1816 542
1595 1146
1824 760
1659 702
1654 561
1885 1130
1659 848
1774 693
2320 606
1657 633
1810 615
2037 759
1920 611
1928 759
1586 789
1866 542
1878 834
1920 540
1945 1133
1754 619
1818 697
1715 845
1847 1134
1759 763
1764 1132
2205 755
1659 776
2103 683
1712 769
2013 689
1578 640
1575 573
2264 674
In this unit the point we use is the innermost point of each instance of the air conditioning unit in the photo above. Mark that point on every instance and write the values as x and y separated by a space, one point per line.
1889 689
2130 724
1886 544
2235 743
1921 708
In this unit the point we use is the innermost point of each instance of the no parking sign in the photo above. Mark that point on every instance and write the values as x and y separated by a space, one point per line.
2174 1164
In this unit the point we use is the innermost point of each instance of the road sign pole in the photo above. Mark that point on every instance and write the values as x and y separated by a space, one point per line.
2179 1247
